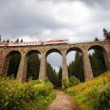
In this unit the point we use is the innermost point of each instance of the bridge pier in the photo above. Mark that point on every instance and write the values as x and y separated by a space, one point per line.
64 66
21 74
88 74
2 60
107 59
42 73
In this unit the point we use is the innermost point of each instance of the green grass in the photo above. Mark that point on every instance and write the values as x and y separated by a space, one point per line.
40 103
88 94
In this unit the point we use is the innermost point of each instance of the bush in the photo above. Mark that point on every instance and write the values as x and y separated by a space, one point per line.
65 83
11 94
14 95
104 98
73 81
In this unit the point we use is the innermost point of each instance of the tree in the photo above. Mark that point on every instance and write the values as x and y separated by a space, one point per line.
0 38
14 61
106 34
51 73
59 78
71 69
76 67
8 41
97 62
21 40
96 39
33 66
17 40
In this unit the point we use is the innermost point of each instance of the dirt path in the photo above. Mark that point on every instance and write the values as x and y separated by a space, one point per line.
62 102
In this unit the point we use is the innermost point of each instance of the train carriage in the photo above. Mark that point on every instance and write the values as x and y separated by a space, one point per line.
6 44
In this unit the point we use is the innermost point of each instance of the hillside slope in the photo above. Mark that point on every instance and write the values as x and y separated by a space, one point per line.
94 93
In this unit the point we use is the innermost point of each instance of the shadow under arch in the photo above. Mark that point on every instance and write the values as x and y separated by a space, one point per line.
103 57
32 64
11 64
76 66
54 76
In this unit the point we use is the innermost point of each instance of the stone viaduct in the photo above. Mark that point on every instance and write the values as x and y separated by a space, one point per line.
44 50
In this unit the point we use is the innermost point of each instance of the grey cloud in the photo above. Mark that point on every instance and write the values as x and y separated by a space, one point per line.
18 19
101 3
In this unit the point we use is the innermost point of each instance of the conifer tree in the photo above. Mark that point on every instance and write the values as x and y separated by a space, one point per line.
97 62
14 61
96 39
21 40
17 40
76 67
51 73
33 66
59 77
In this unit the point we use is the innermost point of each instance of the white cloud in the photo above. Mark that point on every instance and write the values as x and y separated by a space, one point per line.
56 69
76 13
70 57
55 59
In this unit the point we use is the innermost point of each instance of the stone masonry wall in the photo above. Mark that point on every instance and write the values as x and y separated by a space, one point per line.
63 49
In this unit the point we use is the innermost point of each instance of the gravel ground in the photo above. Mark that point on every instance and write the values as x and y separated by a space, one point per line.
62 102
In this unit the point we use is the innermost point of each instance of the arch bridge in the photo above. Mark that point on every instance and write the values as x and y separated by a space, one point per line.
44 50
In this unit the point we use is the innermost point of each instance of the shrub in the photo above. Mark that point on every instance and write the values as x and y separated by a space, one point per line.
11 94
65 83
14 95
104 98
73 81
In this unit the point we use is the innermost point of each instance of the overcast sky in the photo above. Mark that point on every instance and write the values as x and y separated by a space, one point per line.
75 20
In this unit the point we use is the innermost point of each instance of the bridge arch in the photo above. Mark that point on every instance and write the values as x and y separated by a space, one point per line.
11 63
74 57
54 66
74 48
53 50
32 63
31 51
104 57
97 47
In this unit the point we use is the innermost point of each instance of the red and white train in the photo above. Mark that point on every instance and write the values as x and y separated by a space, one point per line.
49 42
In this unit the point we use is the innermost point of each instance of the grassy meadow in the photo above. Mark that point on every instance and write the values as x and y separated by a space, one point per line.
93 94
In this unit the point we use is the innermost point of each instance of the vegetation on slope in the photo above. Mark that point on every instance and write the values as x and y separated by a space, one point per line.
33 95
94 93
